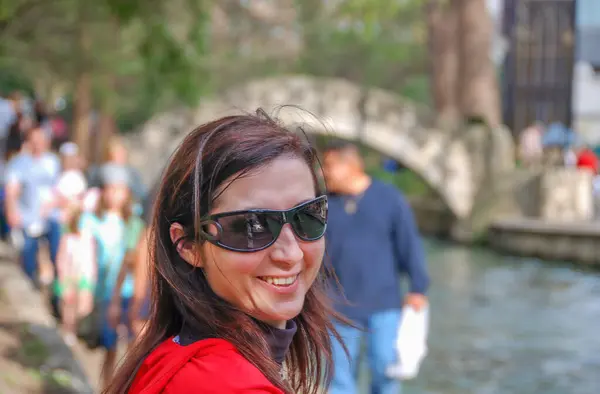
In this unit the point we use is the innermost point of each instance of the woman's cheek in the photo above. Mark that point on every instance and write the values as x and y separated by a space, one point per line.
313 254
239 263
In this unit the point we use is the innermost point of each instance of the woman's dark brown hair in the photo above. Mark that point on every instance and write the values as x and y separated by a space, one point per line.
200 169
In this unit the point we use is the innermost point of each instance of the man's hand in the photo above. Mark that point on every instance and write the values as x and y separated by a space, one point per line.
12 191
416 301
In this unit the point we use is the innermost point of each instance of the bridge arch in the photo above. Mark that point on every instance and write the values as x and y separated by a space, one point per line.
376 118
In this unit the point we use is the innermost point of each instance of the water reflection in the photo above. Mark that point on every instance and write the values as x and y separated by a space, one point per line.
508 325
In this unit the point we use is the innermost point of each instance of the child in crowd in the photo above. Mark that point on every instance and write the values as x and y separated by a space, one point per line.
137 265
134 232
76 267
71 185
108 225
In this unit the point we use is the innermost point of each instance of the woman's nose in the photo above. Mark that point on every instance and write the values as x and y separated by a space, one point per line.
287 247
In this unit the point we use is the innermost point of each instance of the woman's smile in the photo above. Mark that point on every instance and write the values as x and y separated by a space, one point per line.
280 280
281 284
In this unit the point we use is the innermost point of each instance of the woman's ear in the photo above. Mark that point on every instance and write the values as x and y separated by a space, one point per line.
187 249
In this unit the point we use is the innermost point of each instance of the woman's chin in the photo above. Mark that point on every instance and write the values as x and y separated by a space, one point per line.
279 316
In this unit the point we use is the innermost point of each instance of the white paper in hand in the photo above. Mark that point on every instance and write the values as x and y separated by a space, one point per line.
411 344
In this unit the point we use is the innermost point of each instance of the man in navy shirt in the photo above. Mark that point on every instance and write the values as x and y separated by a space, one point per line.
372 239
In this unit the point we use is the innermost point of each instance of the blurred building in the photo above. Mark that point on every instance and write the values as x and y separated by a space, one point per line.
538 69
586 89
549 54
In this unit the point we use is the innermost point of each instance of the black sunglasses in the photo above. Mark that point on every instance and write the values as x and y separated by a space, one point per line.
257 229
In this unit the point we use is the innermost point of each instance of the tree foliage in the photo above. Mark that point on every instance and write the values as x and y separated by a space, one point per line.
145 55
133 41
372 42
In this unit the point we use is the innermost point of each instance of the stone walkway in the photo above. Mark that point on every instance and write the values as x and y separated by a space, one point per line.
33 356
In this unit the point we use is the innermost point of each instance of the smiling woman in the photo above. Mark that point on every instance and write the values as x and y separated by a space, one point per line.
238 281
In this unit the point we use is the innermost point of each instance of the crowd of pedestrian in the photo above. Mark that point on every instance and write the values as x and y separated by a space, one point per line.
89 218
556 145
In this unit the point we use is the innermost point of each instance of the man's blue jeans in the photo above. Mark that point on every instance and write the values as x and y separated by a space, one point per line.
382 331
29 253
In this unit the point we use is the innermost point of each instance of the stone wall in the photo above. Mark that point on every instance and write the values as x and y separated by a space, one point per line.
556 194
577 242
566 195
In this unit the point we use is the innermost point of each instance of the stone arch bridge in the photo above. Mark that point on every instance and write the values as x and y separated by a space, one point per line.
451 162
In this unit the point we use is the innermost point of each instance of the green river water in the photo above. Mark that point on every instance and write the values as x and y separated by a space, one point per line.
507 325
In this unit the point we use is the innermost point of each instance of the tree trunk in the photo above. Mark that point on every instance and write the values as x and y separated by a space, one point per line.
443 58
478 84
81 113
107 126
106 129
83 89
107 99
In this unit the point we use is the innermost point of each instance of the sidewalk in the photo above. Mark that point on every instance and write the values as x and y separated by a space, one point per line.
33 356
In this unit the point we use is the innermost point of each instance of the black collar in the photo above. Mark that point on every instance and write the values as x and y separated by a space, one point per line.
279 340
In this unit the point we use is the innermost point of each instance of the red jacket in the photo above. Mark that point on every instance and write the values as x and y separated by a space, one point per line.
588 159
209 366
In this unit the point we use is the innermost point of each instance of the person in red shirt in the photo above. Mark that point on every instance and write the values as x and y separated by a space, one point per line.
238 298
587 159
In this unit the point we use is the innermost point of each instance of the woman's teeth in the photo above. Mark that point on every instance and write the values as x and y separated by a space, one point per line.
278 281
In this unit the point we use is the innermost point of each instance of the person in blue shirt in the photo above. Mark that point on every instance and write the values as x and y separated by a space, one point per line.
137 266
109 226
30 201
140 305
372 240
